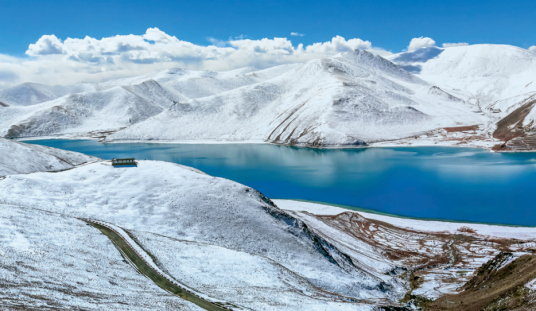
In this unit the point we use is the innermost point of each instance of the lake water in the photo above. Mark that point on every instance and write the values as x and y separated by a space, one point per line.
423 182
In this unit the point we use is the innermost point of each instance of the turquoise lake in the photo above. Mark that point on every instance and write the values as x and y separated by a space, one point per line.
448 183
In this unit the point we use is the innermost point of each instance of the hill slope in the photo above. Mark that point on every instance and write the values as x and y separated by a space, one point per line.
20 158
352 99
34 93
185 204
496 79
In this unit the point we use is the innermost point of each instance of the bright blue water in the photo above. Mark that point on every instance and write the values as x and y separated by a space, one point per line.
425 182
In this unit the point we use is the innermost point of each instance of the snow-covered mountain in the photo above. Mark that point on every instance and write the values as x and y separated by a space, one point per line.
498 79
348 100
98 109
35 93
352 99
20 158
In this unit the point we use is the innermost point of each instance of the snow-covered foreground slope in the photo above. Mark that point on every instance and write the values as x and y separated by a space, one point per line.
239 278
53 262
182 203
440 256
20 158
227 242
352 99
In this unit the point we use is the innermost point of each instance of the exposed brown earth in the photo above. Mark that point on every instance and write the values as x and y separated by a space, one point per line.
461 128
510 129
527 142
511 126
439 262
417 249
494 287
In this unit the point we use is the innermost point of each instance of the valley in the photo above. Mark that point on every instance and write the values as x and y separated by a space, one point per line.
352 181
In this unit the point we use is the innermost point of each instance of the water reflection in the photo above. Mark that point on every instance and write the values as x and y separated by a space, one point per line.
428 182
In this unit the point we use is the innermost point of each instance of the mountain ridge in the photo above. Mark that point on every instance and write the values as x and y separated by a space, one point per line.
357 98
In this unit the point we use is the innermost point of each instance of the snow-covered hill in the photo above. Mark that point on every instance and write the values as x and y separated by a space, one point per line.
482 72
55 262
34 93
190 205
98 109
20 158
182 203
496 79
224 241
352 99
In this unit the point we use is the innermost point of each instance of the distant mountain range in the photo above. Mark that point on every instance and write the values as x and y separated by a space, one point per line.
478 95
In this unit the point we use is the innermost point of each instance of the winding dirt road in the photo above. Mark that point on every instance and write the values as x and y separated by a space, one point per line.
145 268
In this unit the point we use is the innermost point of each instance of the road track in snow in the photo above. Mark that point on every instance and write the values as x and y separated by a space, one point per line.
145 268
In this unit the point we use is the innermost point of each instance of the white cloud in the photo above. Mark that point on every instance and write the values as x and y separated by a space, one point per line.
297 34
449 45
54 61
421 42
533 49
46 45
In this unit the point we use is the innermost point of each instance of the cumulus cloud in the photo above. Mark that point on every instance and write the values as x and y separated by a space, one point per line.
421 42
297 34
54 61
46 45
533 49
449 45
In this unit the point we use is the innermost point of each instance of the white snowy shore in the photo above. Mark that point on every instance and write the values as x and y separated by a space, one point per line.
510 232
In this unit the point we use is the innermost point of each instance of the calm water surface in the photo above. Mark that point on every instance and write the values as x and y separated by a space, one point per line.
425 182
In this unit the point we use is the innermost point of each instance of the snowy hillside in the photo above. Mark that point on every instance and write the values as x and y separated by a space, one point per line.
96 110
482 72
33 93
496 79
416 97
20 158
348 100
185 204
51 262
99 111
225 241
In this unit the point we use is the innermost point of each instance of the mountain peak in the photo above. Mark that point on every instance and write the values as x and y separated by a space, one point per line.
376 62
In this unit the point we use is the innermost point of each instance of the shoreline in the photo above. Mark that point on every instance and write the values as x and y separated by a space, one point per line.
261 142
427 225
368 211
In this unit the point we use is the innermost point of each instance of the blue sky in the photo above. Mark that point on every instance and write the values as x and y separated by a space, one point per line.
387 24
67 41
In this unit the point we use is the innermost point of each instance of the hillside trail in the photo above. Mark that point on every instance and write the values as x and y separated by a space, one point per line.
127 251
